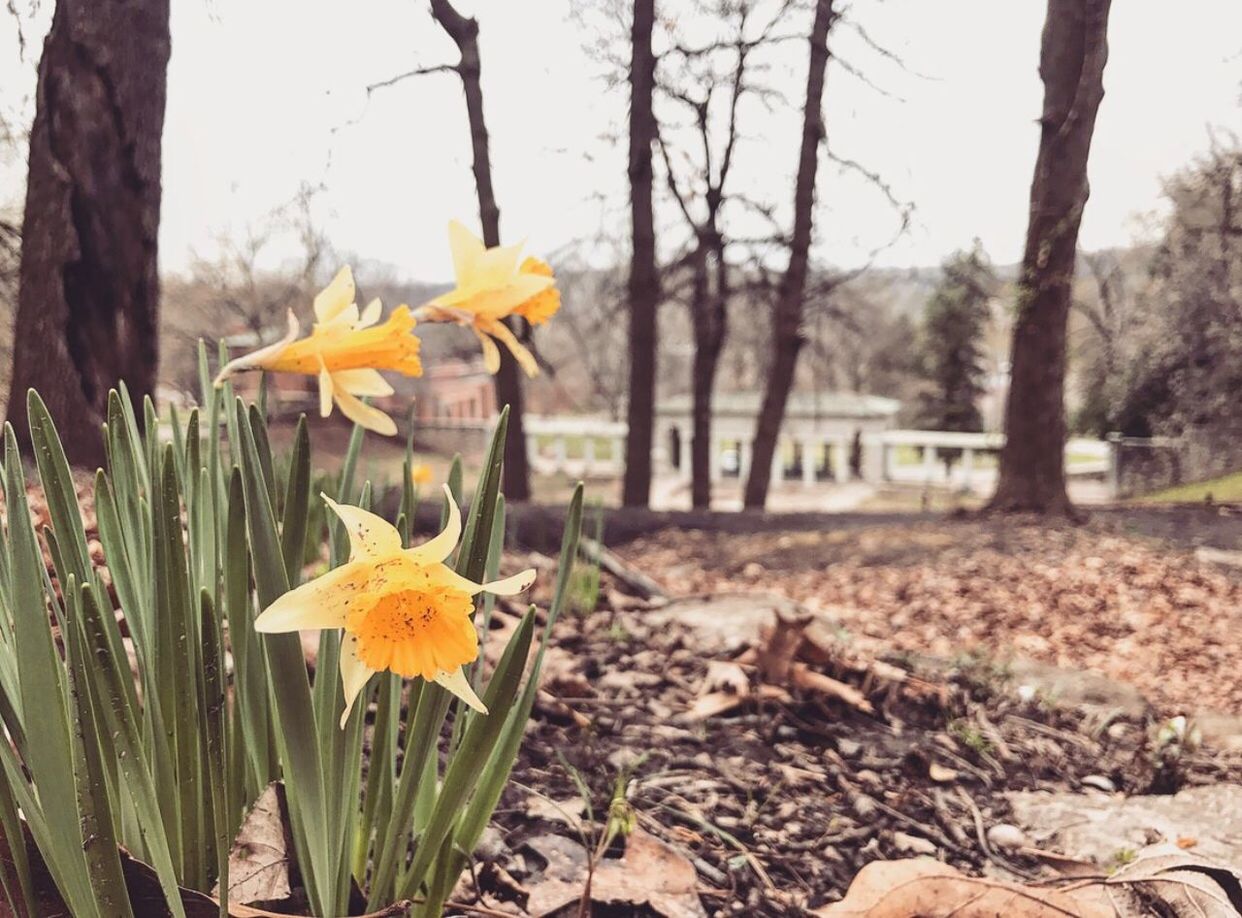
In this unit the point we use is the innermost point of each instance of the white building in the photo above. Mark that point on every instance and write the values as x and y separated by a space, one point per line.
821 437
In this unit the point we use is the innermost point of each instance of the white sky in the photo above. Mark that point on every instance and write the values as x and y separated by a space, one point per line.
267 94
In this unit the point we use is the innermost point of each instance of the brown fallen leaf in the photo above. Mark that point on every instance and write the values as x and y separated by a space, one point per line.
725 676
714 703
927 888
1186 884
779 645
650 873
259 859
805 678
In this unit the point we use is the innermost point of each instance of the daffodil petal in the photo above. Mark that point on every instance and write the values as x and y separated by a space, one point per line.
491 353
326 390
354 674
436 549
511 586
319 603
497 266
457 683
467 249
370 537
336 297
371 314
362 382
526 360
263 355
346 319
371 418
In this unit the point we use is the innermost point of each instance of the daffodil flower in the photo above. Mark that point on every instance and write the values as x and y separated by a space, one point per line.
345 350
402 609
421 475
492 285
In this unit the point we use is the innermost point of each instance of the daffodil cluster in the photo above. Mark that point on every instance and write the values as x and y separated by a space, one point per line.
347 347
402 610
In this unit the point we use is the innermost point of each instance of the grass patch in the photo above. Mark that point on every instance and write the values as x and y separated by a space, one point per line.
1227 489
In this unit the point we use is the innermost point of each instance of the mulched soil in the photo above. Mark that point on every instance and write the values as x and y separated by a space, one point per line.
779 804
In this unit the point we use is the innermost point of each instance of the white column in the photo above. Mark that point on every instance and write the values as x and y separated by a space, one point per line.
887 452
616 452
840 454
778 464
808 462
713 462
929 462
588 453
560 453
968 468
743 459
532 446
685 446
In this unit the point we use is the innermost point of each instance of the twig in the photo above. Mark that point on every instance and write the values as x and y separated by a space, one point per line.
417 71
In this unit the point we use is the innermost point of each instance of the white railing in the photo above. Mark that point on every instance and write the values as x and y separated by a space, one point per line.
593 446
575 446
915 456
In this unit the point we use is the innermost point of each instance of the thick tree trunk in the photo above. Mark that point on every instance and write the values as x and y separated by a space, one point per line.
644 281
1072 58
465 34
787 317
89 287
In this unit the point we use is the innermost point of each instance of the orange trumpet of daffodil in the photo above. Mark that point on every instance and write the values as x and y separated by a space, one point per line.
402 609
492 285
345 350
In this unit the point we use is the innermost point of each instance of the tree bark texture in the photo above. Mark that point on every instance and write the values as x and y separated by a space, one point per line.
787 338
465 34
1072 58
644 281
88 300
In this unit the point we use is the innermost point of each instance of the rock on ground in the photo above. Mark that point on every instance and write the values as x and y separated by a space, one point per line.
1108 829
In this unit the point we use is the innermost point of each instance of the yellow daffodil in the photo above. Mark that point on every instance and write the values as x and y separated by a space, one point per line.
421 475
346 349
402 609
491 285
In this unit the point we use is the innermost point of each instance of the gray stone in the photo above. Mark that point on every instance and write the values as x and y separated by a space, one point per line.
1003 835
1097 828
726 623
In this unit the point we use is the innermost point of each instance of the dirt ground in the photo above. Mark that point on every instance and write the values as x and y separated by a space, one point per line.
780 799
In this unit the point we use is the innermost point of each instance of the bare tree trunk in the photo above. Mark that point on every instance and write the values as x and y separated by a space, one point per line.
1072 58
709 305
787 317
465 34
644 277
88 302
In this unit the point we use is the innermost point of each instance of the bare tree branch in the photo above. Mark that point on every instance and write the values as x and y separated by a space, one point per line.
416 72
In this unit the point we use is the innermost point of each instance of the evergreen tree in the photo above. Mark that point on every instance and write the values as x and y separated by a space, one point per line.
952 360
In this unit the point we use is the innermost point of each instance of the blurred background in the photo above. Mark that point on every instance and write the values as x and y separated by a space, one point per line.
258 147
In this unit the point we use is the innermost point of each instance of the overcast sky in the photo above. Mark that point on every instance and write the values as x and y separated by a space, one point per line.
267 94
